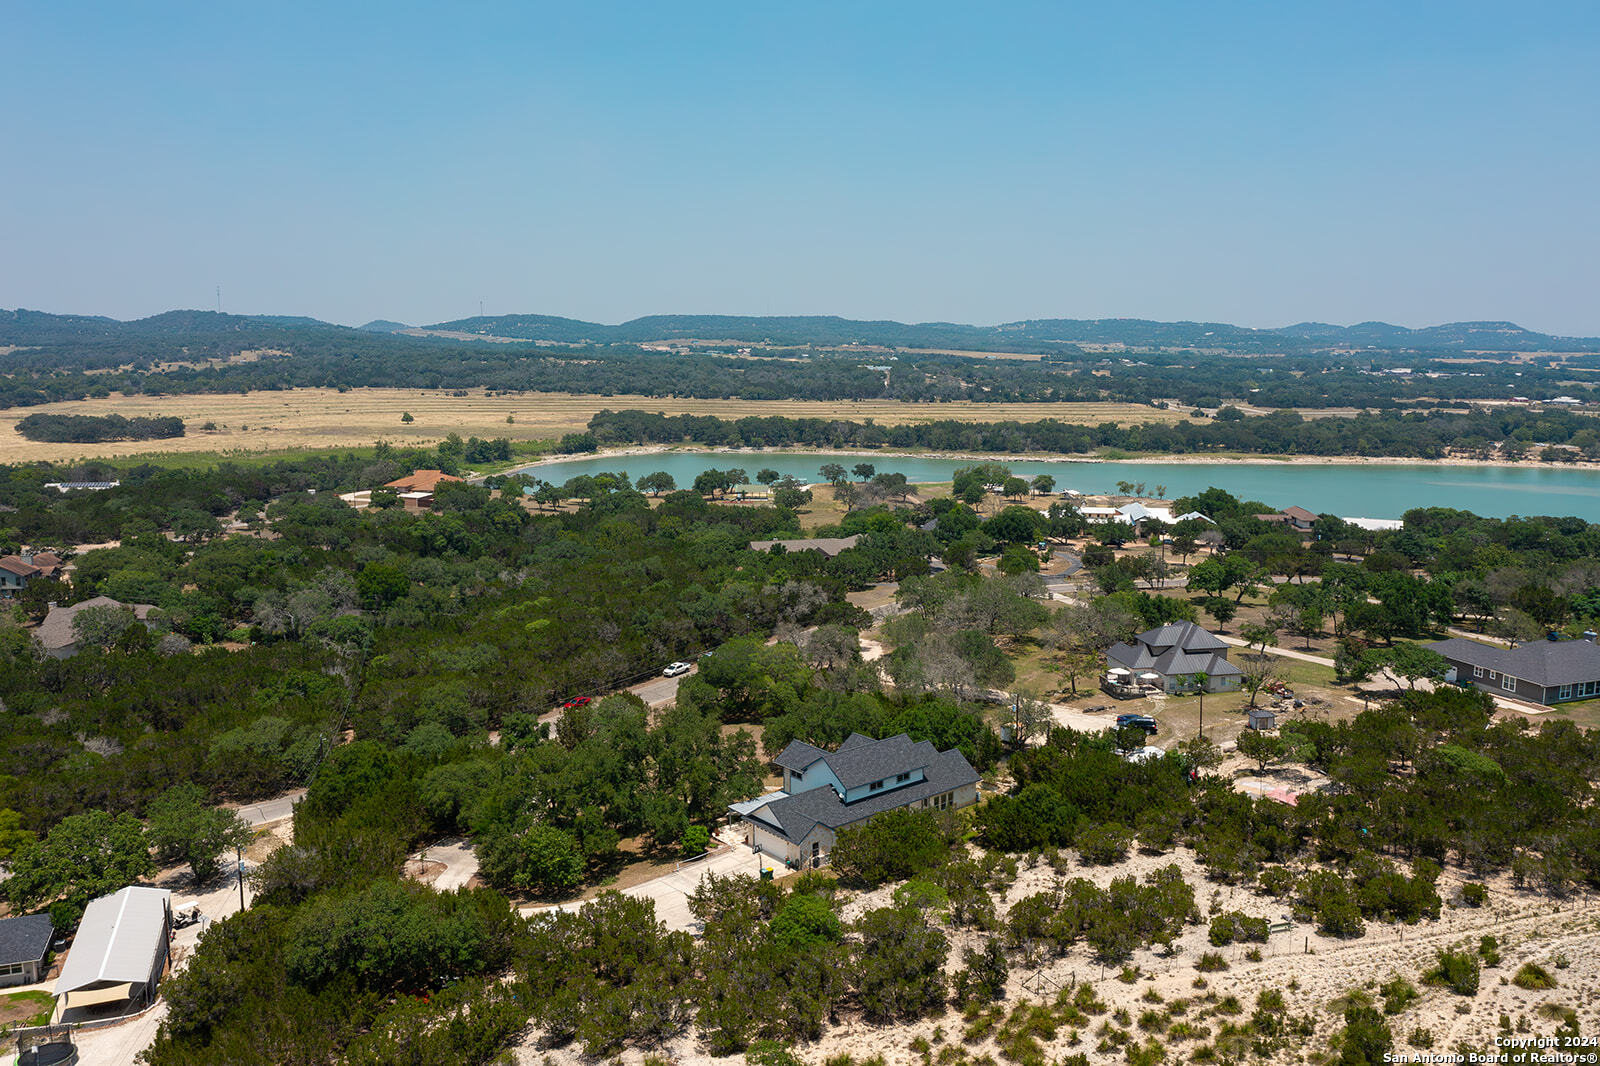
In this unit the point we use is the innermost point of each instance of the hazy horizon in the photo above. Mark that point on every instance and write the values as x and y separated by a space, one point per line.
1411 164
780 314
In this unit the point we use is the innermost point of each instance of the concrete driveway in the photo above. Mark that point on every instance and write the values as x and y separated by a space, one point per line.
671 891
460 863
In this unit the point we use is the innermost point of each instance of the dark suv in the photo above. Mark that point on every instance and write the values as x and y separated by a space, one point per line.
1137 721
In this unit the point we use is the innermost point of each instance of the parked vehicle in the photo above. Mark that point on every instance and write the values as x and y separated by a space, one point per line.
576 701
674 669
1137 721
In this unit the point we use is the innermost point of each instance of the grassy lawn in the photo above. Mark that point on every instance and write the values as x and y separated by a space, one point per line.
26 1008
1584 713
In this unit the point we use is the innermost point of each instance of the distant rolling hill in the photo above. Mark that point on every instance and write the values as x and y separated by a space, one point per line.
24 328
827 330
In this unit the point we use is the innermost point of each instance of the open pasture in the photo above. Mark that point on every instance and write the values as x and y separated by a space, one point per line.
327 418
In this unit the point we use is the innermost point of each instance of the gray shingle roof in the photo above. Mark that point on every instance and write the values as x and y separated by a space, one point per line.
25 939
861 764
829 546
1547 663
795 816
798 755
56 629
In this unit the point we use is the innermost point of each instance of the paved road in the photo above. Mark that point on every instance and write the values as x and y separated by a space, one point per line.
660 691
1062 564
273 810
1287 653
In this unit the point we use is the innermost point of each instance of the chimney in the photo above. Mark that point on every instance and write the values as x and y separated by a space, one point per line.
27 556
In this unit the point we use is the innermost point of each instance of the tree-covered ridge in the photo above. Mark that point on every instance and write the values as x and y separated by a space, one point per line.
194 352
1506 433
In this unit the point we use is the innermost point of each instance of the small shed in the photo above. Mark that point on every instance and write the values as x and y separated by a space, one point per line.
1262 718
24 942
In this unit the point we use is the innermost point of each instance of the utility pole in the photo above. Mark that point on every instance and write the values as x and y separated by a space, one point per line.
239 855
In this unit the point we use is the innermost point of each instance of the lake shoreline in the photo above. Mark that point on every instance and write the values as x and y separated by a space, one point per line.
1057 457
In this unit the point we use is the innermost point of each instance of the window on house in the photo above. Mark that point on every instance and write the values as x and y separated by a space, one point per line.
1477 671
11 968
1588 688
796 775
1510 683
1494 675
1565 693
940 802
902 777
876 785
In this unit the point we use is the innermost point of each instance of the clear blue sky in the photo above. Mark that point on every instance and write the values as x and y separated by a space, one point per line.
1253 163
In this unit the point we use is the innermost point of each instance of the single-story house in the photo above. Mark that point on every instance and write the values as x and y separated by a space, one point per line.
828 546
1541 671
824 792
1296 518
56 635
119 954
420 481
1137 513
1168 657
24 942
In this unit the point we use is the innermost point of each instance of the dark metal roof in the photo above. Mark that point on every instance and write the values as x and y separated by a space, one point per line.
795 816
1185 635
1171 662
1547 663
25 939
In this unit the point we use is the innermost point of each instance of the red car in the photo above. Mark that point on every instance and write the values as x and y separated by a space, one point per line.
576 701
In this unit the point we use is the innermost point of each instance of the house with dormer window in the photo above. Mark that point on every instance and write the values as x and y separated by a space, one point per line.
824 792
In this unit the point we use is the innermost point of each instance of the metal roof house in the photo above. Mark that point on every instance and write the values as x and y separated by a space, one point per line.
1541 671
825 791
119 954
24 942
1173 654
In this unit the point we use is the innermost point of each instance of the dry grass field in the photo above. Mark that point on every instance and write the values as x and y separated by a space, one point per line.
326 418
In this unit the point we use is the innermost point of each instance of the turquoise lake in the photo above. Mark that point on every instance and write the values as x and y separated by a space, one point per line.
1366 490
